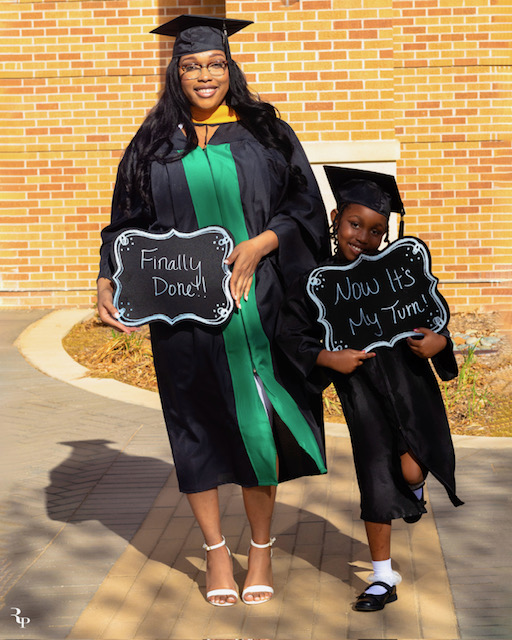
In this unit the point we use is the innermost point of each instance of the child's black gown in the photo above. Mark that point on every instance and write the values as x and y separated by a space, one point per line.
392 403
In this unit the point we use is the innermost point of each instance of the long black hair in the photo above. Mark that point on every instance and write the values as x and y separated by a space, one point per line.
152 141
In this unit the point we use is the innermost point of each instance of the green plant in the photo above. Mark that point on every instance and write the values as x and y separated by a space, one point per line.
332 405
466 393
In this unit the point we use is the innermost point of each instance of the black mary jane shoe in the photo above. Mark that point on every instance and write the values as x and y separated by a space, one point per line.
371 602
412 519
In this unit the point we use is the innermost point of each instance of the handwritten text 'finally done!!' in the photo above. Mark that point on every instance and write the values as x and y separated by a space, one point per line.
173 277
181 264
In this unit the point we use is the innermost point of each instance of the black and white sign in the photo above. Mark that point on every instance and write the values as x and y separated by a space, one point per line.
378 299
173 276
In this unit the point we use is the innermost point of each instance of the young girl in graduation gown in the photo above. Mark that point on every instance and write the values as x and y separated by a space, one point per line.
390 398
211 153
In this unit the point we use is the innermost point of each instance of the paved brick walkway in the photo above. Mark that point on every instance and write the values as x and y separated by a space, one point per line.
99 543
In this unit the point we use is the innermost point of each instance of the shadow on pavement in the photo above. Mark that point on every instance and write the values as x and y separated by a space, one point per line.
99 483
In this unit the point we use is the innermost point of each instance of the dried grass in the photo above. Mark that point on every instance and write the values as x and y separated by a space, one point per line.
479 401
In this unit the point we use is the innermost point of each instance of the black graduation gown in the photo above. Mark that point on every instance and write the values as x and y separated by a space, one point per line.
218 429
392 403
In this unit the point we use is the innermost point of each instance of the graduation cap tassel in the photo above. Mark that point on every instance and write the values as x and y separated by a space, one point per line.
401 225
225 40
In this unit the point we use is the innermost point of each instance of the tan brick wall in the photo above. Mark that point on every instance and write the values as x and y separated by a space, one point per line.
435 76
452 87
327 65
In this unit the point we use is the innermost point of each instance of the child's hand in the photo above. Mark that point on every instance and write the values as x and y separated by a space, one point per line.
430 345
344 361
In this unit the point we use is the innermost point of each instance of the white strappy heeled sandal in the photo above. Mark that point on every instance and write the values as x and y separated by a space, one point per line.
259 588
220 592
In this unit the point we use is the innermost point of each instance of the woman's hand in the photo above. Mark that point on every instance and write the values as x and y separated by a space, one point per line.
344 361
106 310
430 345
245 258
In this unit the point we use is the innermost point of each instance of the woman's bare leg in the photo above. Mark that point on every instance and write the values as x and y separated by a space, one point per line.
259 506
219 566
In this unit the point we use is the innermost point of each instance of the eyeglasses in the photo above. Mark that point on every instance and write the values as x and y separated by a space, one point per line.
193 71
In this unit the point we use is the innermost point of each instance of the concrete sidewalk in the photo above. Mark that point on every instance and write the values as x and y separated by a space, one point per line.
99 543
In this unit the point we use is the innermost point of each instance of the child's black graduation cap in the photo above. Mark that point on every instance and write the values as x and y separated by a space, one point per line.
195 34
377 191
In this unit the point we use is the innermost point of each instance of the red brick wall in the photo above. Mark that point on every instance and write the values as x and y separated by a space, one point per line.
452 89
78 78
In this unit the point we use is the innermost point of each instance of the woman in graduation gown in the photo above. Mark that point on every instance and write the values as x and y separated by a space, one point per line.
211 153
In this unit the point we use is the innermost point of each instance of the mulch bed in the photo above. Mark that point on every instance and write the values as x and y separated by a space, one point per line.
479 402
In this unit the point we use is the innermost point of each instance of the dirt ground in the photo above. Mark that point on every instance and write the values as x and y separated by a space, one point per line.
489 382
478 402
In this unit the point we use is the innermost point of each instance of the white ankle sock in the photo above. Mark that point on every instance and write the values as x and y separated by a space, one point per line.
382 572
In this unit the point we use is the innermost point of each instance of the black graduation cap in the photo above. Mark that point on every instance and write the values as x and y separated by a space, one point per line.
195 34
377 191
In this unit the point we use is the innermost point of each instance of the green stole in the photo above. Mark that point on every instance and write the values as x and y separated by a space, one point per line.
213 183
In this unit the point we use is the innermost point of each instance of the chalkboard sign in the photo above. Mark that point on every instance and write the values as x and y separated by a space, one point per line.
173 276
378 299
